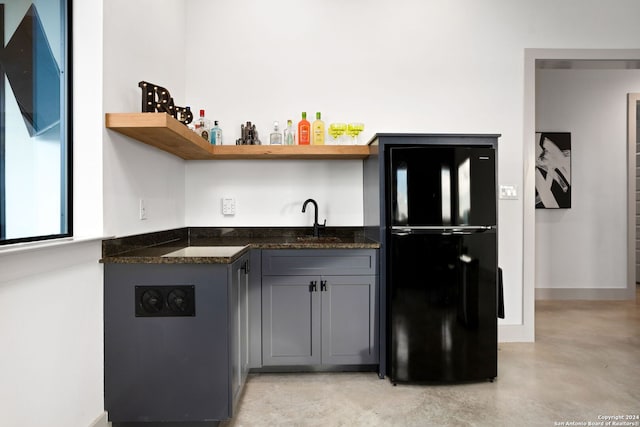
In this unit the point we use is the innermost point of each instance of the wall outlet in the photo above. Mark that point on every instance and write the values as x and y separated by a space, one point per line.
509 192
228 206
142 211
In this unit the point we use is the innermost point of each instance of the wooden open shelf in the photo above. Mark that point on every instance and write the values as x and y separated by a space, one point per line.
166 133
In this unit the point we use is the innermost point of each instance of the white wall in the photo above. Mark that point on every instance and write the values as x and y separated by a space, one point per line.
51 331
271 193
143 40
437 66
581 251
88 123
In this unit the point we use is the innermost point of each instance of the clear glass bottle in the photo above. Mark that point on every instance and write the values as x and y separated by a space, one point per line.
289 134
216 134
276 136
203 126
318 130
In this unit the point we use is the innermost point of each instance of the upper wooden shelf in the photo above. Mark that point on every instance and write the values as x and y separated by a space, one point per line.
166 133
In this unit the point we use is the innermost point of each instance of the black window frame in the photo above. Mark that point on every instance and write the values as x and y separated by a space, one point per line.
66 123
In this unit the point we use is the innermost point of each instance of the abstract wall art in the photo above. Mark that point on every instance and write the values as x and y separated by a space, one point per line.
553 170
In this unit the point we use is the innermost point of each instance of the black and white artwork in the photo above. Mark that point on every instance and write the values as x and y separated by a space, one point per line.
553 170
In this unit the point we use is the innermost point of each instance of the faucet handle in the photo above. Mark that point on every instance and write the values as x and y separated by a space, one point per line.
317 227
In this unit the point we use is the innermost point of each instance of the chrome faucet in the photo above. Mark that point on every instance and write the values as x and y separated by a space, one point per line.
316 226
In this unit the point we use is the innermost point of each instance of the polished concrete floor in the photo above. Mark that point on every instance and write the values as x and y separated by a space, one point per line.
584 365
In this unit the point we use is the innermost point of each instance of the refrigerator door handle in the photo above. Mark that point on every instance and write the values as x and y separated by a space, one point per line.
398 230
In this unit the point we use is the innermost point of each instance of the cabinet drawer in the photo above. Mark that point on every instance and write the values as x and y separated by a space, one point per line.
319 262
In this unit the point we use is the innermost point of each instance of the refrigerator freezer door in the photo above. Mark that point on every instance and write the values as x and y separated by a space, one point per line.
441 186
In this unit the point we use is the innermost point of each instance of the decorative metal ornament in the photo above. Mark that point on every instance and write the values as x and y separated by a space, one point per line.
158 99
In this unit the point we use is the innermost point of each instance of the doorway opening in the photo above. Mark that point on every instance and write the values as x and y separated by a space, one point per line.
576 60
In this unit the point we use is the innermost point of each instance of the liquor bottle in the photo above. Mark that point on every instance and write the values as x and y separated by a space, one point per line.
276 136
203 126
216 134
289 134
318 130
304 130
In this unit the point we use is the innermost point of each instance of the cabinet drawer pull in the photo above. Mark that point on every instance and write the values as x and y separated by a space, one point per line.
245 267
313 286
323 285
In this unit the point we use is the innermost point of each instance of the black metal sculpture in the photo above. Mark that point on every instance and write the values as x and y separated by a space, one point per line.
158 99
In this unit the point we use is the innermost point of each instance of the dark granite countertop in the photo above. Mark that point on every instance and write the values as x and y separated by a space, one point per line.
229 242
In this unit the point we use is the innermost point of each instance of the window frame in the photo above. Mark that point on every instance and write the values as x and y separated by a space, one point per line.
66 132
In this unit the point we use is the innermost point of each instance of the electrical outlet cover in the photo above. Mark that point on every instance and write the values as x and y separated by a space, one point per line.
142 212
228 206
508 192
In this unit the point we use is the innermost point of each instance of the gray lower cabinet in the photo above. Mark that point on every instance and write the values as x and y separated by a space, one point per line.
327 318
176 344
290 321
349 332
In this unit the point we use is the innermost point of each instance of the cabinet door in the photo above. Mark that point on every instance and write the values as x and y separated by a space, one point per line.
290 320
235 331
239 322
349 320
243 299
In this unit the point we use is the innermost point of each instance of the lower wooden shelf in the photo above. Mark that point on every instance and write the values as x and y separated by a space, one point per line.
166 133
334 152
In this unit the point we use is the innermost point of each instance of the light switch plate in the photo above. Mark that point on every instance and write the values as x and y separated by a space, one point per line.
508 192
228 206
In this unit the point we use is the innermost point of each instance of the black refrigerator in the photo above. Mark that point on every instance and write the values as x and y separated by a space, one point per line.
441 262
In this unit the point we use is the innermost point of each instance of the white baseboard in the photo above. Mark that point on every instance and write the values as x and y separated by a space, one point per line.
101 421
592 294
515 333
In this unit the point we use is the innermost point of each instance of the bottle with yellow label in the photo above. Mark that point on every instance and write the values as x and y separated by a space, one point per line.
317 131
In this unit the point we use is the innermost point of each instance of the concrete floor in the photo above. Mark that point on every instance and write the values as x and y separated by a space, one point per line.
584 365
